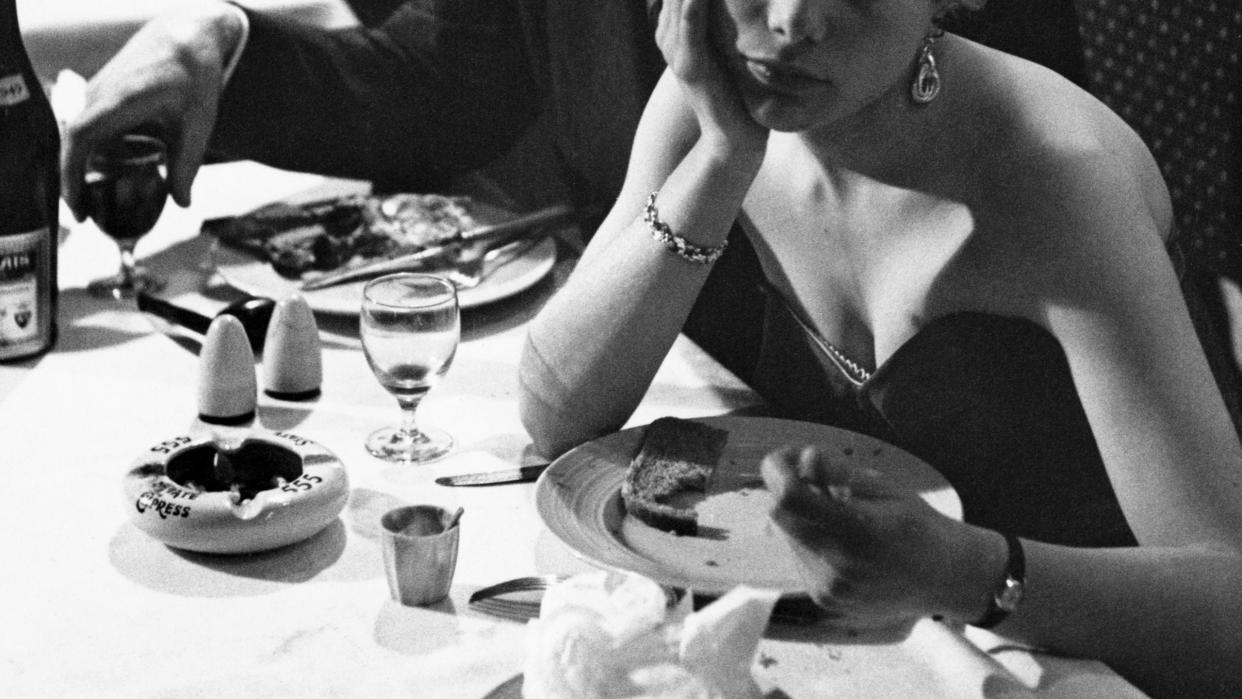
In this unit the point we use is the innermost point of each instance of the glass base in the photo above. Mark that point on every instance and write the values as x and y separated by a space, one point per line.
395 444
118 287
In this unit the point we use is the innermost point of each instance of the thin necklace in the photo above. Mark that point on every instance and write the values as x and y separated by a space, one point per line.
852 370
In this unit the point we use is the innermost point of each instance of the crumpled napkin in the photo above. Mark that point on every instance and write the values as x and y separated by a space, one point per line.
613 635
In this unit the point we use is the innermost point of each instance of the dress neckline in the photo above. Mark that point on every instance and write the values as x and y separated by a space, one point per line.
852 371
857 374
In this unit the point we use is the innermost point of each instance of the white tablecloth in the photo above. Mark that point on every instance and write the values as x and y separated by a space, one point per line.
91 606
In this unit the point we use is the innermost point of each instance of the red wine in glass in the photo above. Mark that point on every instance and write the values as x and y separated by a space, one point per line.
125 188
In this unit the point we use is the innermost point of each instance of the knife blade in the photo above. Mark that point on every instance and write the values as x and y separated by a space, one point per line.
396 264
479 239
510 475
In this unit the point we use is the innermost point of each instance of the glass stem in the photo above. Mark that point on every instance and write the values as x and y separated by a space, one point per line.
128 263
409 426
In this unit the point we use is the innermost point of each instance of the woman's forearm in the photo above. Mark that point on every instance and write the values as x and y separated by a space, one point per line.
1168 619
595 347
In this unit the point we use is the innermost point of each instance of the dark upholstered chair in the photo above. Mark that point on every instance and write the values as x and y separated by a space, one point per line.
1170 69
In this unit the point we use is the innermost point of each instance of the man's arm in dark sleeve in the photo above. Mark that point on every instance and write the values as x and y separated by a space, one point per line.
442 87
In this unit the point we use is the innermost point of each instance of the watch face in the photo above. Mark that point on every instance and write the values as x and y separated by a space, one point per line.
1009 597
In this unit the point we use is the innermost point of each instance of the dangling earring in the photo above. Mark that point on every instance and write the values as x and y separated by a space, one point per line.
926 83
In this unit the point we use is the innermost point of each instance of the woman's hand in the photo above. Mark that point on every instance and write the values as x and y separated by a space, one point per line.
871 553
682 35
168 77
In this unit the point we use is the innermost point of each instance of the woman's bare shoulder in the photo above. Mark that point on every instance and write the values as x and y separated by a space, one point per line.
1036 143
1055 183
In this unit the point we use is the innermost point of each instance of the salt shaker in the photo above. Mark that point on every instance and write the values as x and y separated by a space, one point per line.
227 389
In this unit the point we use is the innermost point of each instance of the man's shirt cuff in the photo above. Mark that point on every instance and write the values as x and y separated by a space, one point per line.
231 65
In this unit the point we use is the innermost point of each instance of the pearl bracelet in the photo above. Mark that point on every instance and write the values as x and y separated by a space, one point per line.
684 249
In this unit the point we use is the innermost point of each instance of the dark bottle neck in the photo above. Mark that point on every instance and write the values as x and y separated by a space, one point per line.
13 57
9 28
29 140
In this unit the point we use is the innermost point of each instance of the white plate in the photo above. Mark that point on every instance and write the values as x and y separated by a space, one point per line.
579 499
256 277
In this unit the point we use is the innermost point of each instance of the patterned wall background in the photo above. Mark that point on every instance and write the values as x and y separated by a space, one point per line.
1171 69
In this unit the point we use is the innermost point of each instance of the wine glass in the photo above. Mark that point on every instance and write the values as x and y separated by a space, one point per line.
410 327
125 187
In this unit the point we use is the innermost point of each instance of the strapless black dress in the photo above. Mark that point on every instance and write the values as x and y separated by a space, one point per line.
987 400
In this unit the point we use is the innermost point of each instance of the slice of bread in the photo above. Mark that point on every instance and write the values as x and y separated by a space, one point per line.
675 456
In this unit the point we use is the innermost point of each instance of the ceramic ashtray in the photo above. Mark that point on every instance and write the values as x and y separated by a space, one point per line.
276 489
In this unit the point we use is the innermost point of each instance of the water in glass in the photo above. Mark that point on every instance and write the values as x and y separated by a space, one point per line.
410 326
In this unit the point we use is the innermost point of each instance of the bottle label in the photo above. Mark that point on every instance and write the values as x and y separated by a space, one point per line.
24 268
13 90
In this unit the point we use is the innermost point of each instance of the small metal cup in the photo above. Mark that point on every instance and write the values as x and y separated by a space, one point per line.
420 552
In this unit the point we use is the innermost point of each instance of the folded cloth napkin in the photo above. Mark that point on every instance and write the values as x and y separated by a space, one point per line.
614 635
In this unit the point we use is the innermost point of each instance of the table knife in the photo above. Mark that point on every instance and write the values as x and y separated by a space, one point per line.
510 475
482 237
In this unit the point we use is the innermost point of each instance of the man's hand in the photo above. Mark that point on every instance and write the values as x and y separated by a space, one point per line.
168 78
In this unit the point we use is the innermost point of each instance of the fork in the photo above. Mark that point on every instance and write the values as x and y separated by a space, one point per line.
469 273
493 600
496 599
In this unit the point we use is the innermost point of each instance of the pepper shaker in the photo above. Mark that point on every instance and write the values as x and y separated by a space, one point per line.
292 354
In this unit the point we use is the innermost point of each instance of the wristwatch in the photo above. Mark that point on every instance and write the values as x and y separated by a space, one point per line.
1008 594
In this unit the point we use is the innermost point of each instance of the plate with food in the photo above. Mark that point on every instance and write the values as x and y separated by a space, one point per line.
326 250
682 501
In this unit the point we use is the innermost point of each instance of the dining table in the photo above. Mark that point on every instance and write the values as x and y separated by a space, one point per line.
92 606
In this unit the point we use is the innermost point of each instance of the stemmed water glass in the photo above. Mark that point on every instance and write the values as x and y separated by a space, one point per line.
410 327
125 186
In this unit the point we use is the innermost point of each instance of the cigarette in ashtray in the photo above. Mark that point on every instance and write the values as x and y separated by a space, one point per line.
613 635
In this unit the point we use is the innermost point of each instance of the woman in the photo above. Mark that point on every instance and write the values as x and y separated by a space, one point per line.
976 250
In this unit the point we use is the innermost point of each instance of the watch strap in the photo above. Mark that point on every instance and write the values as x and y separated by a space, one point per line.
1006 597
